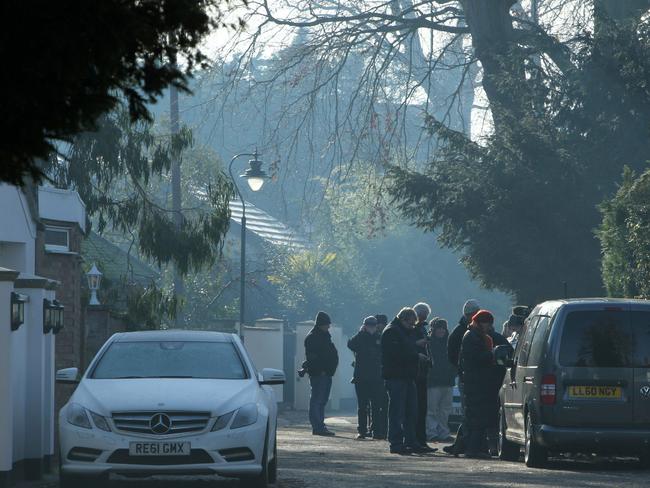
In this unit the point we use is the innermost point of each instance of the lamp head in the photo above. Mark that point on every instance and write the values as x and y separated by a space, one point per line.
254 174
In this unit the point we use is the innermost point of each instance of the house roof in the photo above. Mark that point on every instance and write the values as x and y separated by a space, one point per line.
266 226
115 263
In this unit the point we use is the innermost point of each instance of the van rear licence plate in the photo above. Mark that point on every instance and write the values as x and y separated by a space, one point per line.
159 449
613 392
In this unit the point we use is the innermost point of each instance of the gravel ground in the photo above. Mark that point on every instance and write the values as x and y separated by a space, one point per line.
307 461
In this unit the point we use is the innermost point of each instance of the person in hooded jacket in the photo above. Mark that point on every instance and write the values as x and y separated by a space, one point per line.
322 360
367 379
440 383
477 366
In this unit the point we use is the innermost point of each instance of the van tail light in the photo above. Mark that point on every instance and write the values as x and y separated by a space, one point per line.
548 389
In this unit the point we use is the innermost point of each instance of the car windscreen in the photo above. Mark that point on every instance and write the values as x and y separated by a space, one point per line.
166 359
606 339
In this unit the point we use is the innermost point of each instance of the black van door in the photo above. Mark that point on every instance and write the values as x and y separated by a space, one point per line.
641 326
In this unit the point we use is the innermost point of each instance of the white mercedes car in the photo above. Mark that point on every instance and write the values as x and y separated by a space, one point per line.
170 402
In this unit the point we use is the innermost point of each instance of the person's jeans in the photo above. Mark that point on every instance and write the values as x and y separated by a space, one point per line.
320 394
439 404
421 422
402 413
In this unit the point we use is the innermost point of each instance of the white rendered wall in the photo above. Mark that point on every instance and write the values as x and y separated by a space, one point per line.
265 345
18 342
6 405
48 388
17 227
34 368
63 205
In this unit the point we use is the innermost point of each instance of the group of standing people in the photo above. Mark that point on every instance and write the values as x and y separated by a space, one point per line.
404 374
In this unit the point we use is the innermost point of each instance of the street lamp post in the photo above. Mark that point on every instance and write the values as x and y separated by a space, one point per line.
255 177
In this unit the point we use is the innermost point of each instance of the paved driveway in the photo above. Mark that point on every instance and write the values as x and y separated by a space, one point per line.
308 461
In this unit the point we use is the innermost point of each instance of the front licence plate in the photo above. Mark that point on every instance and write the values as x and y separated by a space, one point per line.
159 449
606 392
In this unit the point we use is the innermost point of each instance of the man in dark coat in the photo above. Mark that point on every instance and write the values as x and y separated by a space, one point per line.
420 334
322 360
367 378
477 366
470 307
399 368
380 424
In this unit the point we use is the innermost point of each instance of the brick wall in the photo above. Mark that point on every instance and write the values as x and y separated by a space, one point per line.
67 269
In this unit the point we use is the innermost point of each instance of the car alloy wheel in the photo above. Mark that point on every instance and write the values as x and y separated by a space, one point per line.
535 456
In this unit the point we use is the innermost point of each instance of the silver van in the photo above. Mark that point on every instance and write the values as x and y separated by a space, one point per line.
579 382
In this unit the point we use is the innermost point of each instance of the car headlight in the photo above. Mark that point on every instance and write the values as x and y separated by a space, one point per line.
76 415
222 421
99 421
246 415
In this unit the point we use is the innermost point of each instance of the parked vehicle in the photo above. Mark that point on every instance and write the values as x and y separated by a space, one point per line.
579 382
170 402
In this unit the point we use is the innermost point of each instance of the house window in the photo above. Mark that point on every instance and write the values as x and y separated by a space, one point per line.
57 239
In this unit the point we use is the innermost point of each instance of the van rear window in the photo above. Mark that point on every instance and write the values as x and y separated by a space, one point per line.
598 339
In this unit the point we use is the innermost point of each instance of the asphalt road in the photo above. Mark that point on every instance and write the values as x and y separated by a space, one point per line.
307 461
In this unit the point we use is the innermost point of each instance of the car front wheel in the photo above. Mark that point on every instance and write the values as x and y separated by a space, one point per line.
262 479
535 455
273 465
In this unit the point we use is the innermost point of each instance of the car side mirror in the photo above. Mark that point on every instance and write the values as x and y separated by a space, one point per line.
272 376
68 376
503 355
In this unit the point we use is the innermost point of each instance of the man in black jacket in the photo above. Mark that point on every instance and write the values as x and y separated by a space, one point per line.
421 333
399 367
367 378
470 307
322 360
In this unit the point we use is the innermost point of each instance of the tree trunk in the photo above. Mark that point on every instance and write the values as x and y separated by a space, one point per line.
496 48
620 10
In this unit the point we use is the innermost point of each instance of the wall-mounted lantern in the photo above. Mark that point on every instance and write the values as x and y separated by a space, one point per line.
94 280
57 316
53 313
18 301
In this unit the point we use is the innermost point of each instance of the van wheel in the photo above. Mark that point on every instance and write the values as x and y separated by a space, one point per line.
508 451
535 456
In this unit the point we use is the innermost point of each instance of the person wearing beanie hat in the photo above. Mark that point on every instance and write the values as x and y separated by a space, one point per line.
399 368
322 360
368 384
420 334
470 307
476 364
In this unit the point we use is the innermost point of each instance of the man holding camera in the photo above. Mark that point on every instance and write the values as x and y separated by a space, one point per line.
322 360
